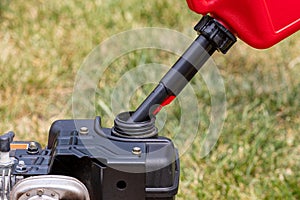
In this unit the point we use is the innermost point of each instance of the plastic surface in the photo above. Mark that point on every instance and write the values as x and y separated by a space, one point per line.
259 23
212 36
5 141
128 129
96 160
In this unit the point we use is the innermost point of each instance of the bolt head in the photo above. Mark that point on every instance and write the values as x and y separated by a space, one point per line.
40 192
136 150
21 163
84 130
32 148
21 166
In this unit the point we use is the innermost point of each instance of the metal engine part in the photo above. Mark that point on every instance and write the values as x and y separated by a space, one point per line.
7 163
5 182
49 187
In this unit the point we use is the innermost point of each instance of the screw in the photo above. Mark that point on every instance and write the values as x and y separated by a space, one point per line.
27 194
21 162
40 192
84 130
21 167
136 150
32 148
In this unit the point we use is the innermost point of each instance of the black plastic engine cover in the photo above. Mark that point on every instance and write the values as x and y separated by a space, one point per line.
107 164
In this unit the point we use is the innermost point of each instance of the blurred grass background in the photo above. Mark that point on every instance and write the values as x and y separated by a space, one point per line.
43 44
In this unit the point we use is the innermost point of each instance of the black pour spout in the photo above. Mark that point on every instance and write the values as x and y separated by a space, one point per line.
212 36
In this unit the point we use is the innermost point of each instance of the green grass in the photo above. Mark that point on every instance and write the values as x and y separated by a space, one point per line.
43 44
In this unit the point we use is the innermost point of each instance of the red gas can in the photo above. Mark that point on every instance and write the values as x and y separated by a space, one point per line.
260 23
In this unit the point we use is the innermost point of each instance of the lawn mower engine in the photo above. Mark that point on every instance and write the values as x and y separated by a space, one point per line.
85 161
